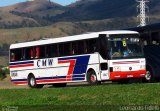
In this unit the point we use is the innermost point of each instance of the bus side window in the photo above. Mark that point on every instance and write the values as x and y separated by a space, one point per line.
85 47
37 52
55 50
52 50
74 48
31 53
61 49
12 56
16 55
67 49
41 52
81 47
91 45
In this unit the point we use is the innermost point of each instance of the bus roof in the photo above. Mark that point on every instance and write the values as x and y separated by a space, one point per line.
70 38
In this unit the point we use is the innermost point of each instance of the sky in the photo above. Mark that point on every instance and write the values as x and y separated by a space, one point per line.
10 2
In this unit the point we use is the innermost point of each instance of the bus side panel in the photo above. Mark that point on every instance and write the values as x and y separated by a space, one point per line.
58 70
19 71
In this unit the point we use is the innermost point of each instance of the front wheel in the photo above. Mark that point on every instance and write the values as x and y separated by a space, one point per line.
149 76
92 78
32 82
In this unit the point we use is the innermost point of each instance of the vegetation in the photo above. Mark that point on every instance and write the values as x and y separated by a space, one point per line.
3 72
102 95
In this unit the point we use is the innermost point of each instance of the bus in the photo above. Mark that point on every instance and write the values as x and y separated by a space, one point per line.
93 57
150 35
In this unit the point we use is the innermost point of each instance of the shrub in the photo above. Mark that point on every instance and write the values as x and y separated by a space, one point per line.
3 72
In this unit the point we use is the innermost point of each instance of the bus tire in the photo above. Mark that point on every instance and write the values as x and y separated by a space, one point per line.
149 76
32 82
92 78
59 85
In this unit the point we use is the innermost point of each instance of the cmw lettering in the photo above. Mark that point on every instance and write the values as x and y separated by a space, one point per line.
44 62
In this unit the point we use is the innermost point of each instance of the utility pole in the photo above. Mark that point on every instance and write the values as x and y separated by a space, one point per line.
142 8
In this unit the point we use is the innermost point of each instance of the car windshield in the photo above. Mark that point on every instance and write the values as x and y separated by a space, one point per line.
125 48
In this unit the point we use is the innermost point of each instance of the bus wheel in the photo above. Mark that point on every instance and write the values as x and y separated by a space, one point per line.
149 76
32 82
92 78
59 85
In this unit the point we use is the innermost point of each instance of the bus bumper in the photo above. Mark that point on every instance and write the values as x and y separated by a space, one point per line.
127 74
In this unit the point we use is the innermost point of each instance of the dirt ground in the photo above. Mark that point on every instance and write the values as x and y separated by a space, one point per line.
6 84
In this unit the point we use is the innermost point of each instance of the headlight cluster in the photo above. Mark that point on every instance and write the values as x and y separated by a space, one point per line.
142 67
117 68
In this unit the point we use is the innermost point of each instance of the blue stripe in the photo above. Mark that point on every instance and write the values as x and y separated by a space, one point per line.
78 76
78 79
18 80
24 80
57 77
19 63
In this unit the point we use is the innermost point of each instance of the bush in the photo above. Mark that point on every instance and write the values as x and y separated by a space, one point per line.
3 72
2 75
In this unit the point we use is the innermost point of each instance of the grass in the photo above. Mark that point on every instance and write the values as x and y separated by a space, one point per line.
103 95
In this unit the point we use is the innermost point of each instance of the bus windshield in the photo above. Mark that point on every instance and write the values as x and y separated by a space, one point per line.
125 47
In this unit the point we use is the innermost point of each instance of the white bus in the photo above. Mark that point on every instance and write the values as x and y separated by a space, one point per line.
92 57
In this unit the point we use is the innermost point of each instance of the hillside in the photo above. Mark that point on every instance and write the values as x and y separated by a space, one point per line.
105 9
99 9
29 14
44 13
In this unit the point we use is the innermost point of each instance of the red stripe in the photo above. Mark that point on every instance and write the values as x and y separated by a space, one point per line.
20 83
71 67
125 74
23 65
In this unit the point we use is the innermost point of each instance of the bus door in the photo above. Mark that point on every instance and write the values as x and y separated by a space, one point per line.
102 46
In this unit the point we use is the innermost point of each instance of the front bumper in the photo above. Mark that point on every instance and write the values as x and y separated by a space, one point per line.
127 74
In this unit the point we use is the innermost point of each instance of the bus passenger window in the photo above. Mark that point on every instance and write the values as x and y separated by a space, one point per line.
67 51
31 53
37 52
41 52
61 50
12 56
91 46
85 47
74 48
81 47
16 55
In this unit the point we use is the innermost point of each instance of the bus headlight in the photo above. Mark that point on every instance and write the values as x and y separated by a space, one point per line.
142 67
117 68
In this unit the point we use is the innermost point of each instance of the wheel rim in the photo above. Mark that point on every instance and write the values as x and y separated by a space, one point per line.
148 75
32 81
93 78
